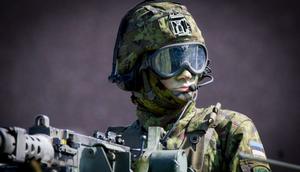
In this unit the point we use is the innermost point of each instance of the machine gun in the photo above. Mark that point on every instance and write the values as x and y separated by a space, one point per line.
61 150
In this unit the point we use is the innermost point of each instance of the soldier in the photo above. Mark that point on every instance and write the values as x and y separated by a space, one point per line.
160 56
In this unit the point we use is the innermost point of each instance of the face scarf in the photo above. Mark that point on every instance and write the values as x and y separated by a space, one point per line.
157 105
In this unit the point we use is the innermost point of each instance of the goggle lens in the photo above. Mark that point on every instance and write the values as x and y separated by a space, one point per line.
169 61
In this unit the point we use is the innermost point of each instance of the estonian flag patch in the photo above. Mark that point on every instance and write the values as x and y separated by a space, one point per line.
257 149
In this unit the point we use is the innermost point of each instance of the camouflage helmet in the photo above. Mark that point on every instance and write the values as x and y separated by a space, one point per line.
147 27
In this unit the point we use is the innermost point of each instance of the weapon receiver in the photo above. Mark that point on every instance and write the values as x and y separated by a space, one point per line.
63 150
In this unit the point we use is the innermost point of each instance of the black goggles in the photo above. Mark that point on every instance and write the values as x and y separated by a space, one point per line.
171 60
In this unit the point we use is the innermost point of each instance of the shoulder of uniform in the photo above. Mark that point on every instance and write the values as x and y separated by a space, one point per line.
198 121
229 118
222 119
202 112
233 115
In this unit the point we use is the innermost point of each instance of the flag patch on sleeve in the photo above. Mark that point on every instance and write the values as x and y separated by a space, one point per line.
257 149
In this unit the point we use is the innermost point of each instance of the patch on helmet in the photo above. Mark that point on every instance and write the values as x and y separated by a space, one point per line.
179 25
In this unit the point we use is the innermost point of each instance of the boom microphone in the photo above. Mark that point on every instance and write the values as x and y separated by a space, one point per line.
195 87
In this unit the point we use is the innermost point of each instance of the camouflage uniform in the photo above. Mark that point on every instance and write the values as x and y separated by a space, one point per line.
222 141
212 137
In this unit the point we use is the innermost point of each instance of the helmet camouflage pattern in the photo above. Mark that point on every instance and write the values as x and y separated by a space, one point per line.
147 27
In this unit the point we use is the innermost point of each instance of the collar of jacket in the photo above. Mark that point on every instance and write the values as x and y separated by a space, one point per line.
166 121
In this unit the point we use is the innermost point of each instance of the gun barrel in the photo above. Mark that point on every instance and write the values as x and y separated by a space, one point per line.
19 146
7 141
271 161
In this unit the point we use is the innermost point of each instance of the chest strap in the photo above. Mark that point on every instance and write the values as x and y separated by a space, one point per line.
200 131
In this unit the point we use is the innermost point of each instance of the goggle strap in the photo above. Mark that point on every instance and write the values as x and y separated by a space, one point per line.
148 91
145 64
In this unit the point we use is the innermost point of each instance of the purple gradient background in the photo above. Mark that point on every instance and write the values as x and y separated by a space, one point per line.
56 57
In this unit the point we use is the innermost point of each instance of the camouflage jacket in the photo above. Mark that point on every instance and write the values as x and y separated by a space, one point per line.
210 145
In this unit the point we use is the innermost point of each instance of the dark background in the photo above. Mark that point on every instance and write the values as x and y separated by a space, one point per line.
55 57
